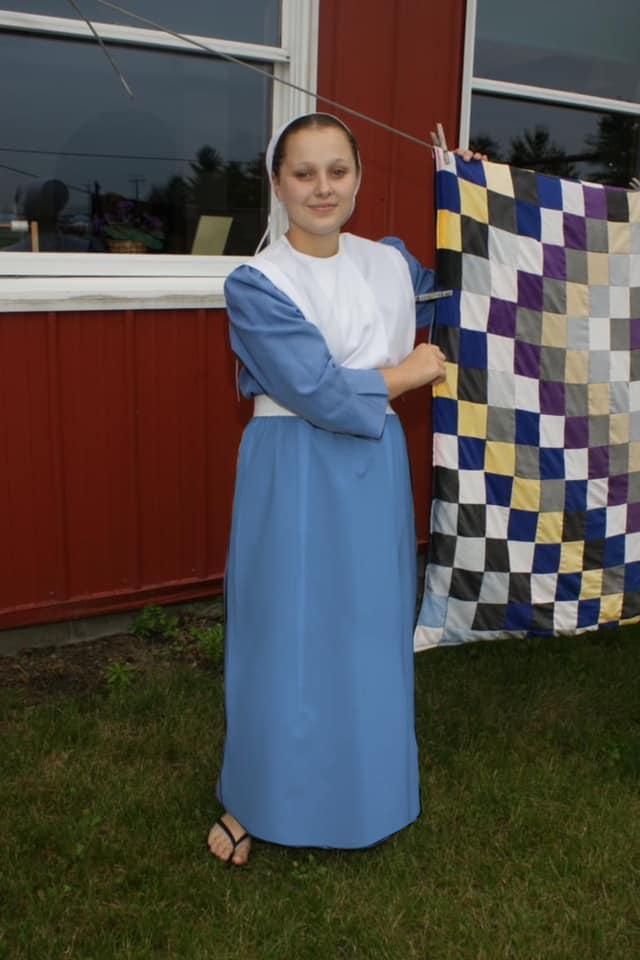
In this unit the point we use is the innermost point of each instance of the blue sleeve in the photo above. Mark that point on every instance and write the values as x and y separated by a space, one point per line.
289 360
423 281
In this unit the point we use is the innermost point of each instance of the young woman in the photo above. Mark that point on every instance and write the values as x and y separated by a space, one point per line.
320 745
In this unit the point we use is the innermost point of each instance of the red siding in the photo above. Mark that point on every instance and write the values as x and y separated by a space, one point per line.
119 430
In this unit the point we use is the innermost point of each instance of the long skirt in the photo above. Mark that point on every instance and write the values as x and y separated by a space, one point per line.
320 741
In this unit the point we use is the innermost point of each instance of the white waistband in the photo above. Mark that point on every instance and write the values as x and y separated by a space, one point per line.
264 406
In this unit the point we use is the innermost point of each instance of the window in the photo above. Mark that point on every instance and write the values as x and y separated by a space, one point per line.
558 89
177 169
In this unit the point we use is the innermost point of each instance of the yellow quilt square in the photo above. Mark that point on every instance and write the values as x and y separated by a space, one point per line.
633 198
473 201
598 398
472 419
525 494
619 237
449 388
591 584
611 607
554 330
549 527
598 269
571 556
500 458
449 233
498 177
577 300
576 366
619 428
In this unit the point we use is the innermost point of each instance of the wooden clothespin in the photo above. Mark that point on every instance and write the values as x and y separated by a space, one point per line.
439 140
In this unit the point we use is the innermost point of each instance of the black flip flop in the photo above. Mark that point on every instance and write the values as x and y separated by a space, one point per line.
234 843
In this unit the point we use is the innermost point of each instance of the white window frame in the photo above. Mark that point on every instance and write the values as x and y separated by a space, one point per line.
96 281
474 84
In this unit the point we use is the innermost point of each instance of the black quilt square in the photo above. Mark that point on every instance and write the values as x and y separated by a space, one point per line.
449 268
441 550
593 558
525 186
465 584
573 527
542 617
631 605
448 339
502 212
617 205
519 588
497 555
472 520
445 484
475 237
472 384
488 616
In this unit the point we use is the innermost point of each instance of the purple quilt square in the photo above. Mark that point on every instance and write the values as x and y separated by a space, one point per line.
634 333
598 462
633 518
554 262
502 317
576 433
529 290
618 489
552 398
527 359
595 202
575 231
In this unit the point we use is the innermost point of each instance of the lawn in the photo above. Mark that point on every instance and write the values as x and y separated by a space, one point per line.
528 846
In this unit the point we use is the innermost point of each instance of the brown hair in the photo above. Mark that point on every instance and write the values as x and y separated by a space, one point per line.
312 121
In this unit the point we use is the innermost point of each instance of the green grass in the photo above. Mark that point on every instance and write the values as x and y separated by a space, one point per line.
528 847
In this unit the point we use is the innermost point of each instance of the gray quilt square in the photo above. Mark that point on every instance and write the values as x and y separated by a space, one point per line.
529 325
619 461
597 236
634 301
599 366
552 496
599 431
634 487
577 266
527 462
619 397
476 274
577 333
501 391
552 362
634 427
501 424
445 517
635 238
620 333
613 580
576 399
619 270
599 301
494 587
554 295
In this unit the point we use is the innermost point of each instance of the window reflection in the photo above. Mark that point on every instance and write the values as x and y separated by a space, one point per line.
254 21
567 142
148 171
582 47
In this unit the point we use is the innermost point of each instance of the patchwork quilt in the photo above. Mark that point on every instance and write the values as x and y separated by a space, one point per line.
535 522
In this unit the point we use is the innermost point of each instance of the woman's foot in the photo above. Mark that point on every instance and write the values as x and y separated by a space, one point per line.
229 841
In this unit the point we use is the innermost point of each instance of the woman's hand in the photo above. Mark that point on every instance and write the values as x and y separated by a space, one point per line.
424 366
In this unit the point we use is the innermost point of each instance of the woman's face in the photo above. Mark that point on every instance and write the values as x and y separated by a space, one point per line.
317 183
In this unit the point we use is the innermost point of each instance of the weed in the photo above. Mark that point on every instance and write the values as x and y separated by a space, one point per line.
210 640
154 623
119 676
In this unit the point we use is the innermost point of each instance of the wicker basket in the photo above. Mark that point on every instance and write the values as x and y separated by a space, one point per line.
126 246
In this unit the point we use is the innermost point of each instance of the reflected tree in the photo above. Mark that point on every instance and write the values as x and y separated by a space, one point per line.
615 149
535 150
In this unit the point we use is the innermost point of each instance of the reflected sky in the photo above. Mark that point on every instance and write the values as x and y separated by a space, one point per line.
255 21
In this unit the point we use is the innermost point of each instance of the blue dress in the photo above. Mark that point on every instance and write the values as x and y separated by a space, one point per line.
320 743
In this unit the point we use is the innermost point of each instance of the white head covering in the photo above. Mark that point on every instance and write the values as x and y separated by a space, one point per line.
271 149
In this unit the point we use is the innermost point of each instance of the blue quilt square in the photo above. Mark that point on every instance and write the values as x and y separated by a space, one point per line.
549 192
614 551
632 577
575 493
473 349
445 416
447 192
471 453
588 613
527 428
498 489
528 220
546 558
568 586
596 525
472 170
518 616
448 311
523 525
551 463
